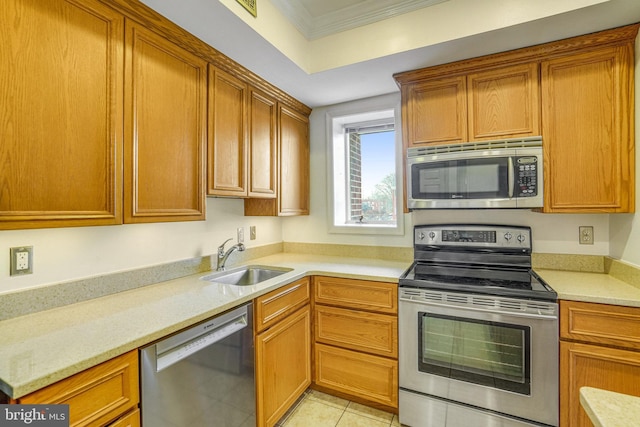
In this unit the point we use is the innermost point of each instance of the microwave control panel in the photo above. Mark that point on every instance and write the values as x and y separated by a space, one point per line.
526 176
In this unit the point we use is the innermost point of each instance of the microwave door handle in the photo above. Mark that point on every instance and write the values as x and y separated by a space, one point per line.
511 177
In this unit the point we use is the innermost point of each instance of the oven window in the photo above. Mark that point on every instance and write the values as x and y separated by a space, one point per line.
487 353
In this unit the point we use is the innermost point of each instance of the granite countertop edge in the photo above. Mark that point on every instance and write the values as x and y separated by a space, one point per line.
610 409
39 349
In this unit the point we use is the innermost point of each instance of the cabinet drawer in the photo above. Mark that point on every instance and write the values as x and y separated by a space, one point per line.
97 395
129 420
363 376
274 306
600 323
368 332
357 294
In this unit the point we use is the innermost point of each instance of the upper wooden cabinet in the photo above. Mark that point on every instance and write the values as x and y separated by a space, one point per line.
227 139
242 144
165 129
491 104
263 145
435 111
577 93
293 168
588 137
504 103
61 114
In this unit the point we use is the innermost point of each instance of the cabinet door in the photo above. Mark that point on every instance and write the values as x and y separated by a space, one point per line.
227 139
61 64
293 169
588 132
165 129
435 112
594 366
283 366
263 154
504 103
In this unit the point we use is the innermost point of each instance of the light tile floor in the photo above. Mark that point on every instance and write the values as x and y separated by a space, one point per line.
316 409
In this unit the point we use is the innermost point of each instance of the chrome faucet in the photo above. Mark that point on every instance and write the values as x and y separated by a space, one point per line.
222 255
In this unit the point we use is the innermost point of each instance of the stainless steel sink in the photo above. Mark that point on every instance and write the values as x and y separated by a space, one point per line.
246 276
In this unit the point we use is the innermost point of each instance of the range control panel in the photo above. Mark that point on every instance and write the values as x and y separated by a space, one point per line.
489 236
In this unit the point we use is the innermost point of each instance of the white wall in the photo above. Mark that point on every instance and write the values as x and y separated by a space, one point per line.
625 229
552 233
64 254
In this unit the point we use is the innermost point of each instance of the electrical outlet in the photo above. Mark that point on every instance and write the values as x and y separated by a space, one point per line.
252 232
21 260
240 235
586 235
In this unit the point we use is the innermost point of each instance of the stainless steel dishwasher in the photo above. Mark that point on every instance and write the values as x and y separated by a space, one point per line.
203 376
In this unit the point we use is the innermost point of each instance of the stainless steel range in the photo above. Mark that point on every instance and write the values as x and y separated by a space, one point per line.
478 331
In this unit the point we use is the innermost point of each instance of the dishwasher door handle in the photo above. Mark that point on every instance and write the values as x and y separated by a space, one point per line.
173 355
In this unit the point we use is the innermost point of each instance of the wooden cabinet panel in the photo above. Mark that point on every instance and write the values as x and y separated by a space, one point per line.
263 149
61 114
588 131
435 111
165 129
504 103
594 366
372 378
283 366
227 138
293 169
276 305
362 331
356 294
600 324
129 420
95 396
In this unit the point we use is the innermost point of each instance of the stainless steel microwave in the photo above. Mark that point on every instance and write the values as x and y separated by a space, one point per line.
482 174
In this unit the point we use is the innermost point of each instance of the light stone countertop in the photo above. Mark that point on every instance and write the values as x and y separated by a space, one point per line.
610 409
39 349
591 287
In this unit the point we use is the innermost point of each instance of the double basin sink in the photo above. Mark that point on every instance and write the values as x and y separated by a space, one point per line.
245 276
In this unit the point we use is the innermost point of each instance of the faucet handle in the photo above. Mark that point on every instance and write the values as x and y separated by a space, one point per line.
221 247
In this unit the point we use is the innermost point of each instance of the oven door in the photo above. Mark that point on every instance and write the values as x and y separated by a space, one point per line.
497 354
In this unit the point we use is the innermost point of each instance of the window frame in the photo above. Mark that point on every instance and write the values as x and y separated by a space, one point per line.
337 119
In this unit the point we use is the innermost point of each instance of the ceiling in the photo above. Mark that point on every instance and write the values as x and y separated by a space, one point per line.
216 24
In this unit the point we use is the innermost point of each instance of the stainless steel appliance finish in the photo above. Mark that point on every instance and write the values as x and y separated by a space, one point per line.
203 376
478 331
482 174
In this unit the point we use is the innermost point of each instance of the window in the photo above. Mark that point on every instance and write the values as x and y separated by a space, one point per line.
364 184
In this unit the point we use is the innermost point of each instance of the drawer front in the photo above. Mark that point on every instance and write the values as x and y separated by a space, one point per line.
130 420
276 305
97 395
600 323
357 330
363 376
357 294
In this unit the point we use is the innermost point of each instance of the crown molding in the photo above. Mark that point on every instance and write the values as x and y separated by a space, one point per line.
347 18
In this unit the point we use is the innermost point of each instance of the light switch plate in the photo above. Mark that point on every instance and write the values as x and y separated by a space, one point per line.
21 261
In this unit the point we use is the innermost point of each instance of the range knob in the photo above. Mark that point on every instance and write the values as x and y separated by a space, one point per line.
521 238
507 236
432 235
421 235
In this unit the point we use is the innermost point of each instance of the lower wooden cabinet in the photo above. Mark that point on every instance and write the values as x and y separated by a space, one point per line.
608 356
283 351
98 396
356 340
